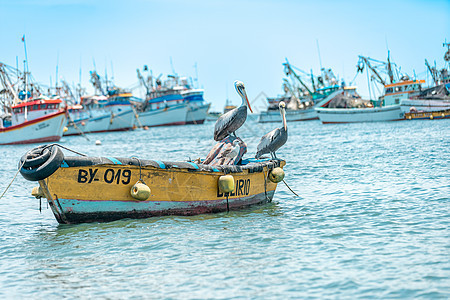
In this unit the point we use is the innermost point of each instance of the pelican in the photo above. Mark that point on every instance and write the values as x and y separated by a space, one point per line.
272 141
231 121
230 154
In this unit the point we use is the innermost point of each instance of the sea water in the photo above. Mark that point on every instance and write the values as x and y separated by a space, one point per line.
371 221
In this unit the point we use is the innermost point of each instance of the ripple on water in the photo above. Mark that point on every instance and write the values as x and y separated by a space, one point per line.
371 221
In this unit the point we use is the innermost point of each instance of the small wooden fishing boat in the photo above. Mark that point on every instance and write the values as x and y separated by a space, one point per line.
94 189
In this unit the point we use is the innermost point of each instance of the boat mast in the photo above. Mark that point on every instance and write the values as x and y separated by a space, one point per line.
142 81
25 67
366 61
288 70
432 72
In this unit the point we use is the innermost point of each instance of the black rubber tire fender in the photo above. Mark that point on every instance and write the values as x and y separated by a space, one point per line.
35 157
47 168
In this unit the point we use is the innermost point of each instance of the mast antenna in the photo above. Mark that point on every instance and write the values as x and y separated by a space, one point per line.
56 79
25 48
318 51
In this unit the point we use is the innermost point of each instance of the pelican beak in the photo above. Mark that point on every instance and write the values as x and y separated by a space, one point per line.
248 103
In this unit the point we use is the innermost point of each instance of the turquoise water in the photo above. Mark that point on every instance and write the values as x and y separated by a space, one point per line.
372 221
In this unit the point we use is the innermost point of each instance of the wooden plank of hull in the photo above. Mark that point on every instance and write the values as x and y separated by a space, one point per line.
102 192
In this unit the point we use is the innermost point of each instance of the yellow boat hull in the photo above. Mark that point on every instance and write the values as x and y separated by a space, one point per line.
99 189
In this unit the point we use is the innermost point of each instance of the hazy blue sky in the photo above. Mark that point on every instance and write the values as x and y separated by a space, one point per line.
228 40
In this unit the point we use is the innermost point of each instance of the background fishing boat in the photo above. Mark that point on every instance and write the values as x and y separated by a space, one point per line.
435 98
170 102
27 116
301 97
109 109
386 108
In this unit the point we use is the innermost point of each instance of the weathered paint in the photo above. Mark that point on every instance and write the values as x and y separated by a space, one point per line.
102 192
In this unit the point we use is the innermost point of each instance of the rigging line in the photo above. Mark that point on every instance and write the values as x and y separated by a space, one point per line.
77 128
64 148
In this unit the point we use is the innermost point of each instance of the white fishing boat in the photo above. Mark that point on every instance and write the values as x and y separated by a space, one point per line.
165 116
33 121
166 101
28 117
198 108
435 98
300 98
110 110
101 114
306 113
387 108
357 115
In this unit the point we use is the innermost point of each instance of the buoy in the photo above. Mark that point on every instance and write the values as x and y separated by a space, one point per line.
98 142
276 175
37 192
226 183
140 191
431 117
82 123
145 127
65 129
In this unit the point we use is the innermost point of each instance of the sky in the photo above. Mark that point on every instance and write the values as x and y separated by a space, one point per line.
218 41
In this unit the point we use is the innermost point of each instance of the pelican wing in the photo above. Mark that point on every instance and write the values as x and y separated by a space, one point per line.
265 143
230 122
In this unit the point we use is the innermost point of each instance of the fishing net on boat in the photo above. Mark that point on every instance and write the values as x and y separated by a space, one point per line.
440 92
343 101
228 151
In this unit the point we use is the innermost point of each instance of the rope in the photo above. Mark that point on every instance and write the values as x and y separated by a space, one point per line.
137 117
228 206
12 180
76 127
64 148
290 189
140 169
265 185
4 192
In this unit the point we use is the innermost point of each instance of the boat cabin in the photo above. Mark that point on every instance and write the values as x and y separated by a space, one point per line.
34 109
395 92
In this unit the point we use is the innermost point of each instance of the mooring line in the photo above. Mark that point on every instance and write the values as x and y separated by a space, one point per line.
12 180
290 189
